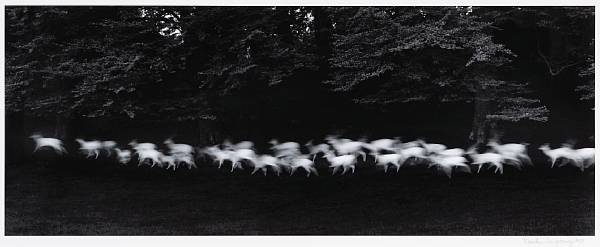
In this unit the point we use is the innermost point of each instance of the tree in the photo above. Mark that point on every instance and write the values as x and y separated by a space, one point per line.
81 61
406 54
237 66
555 50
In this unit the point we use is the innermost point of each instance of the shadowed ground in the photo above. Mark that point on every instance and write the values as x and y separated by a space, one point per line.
87 198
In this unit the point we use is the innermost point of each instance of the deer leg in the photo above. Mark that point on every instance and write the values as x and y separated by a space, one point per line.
364 155
335 168
397 166
312 169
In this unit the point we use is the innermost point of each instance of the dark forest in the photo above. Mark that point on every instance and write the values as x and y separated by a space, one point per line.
458 74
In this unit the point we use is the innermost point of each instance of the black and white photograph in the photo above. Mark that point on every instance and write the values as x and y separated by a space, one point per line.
207 120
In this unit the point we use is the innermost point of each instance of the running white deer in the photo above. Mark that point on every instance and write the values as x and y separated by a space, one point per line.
304 163
431 148
379 145
168 160
45 142
123 156
108 146
187 159
263 162
513 151
447 164
287 153
219 155
182 153
563 152
89 148
346 162
494 159
314 150
451 152
146 151
347 146
275 145
178 148
587 155
411 152
244 145
386 159
410 144
241 155
285 149
141 146
149 154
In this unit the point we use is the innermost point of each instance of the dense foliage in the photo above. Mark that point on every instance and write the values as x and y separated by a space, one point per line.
233 63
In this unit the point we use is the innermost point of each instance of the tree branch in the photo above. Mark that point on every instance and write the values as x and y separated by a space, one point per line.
549 66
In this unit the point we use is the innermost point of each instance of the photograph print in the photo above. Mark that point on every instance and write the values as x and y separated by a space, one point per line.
294 120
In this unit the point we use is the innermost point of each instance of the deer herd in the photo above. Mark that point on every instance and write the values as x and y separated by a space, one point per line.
341 154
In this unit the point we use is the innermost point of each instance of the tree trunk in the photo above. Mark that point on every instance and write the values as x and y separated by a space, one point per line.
284 21
323 33
67 127
480 122
60 130
558 95
482 126
208 133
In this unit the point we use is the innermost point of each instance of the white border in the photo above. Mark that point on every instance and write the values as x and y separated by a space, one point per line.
263 241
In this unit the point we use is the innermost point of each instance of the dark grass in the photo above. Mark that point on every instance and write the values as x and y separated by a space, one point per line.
87 198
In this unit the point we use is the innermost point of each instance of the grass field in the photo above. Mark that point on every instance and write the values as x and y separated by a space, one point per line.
99 199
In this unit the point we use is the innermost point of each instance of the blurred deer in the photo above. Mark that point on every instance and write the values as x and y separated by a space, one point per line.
45 142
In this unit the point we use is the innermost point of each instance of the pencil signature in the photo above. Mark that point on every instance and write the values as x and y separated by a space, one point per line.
555 242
